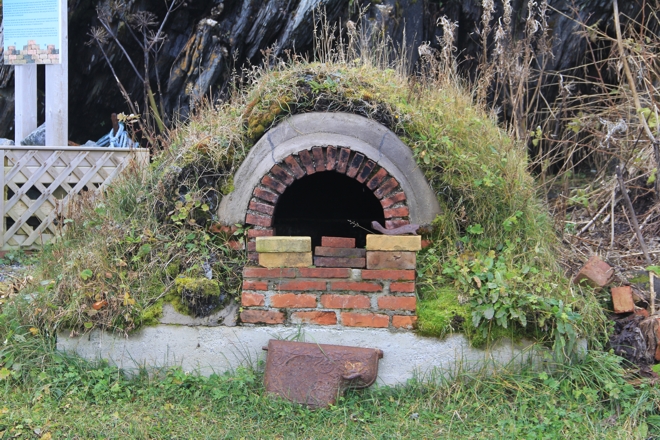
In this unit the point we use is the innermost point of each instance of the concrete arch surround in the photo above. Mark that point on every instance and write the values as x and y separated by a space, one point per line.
304 131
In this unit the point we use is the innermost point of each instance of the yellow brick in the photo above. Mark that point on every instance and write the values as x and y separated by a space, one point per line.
285 259
284 244
394 242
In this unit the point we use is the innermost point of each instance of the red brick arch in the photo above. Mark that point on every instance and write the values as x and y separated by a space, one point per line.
324 159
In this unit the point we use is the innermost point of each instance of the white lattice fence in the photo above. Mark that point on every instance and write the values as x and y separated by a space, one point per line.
38 182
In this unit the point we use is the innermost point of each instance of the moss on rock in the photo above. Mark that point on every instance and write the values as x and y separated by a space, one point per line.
199 296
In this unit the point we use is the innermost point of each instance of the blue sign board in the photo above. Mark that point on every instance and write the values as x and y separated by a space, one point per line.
32 31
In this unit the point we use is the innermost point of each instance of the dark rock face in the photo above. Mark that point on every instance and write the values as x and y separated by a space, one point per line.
207 39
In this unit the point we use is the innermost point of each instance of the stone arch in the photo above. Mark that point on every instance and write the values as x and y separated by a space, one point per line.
309 143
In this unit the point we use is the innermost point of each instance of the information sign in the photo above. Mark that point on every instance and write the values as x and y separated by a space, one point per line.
32 31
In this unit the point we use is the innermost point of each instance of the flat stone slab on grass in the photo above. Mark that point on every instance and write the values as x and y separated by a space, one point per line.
210 350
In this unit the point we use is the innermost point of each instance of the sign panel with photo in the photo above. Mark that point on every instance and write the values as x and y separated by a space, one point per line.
32 31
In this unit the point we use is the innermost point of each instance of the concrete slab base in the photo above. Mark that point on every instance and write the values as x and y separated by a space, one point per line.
218 349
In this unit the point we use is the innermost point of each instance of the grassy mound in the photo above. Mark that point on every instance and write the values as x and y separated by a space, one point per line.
491 266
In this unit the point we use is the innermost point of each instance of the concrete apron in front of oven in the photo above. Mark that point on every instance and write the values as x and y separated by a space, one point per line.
206 349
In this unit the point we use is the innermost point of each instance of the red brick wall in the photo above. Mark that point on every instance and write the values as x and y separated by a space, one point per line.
329 296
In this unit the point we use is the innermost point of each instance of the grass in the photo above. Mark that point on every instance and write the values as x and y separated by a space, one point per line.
73 399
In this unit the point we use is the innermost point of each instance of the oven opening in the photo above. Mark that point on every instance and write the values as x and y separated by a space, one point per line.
322 205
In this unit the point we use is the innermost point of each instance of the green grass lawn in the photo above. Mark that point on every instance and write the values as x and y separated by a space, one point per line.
73 399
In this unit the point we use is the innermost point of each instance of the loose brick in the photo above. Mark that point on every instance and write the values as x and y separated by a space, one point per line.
270 182
386 188
255 285
401 211
393 275
394 242
265 195
639 311
237 245
595 272
426 243
393 224
355 263
284 244
391 260
377 179
402 287
338 242
252 299
253 233
317 318
281 175
319 160
259 220
306 160
261 207
313 272
218 228
408 322
366 171
622 299
342 161
355 164
285 259
356 286
301 285
345 302
262 317
292 300
397 302
331 160
294 167
260 272
350 319
323 251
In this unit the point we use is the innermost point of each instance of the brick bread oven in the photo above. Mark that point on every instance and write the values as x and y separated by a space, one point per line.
319 177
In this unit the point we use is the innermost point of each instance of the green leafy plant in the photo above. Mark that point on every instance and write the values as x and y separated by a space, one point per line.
502 294
184 211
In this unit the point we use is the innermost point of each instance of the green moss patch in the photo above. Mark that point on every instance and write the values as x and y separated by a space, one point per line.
440 313
199 296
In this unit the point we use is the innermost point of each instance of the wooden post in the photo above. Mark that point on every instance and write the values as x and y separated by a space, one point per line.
57 91
25 91
3 220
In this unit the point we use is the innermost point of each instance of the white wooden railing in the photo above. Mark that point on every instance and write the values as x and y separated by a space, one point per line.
38 182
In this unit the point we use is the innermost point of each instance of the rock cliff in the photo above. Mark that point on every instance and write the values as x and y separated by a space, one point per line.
206 40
